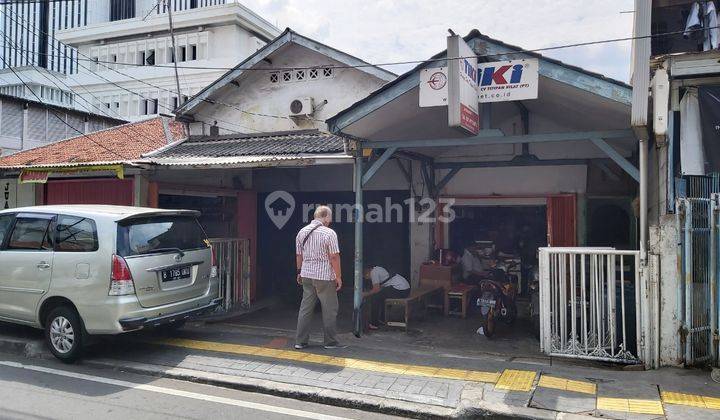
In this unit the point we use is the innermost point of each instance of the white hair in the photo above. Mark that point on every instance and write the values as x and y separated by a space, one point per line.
323 212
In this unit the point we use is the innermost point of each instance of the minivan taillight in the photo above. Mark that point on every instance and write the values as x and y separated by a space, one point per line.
213 262
121 281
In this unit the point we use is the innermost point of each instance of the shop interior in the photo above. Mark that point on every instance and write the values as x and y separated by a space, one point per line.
516 230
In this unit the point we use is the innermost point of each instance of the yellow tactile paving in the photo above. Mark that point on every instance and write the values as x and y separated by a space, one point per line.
516 380
712 403
489 377
297 356
547 381
626 405
690 400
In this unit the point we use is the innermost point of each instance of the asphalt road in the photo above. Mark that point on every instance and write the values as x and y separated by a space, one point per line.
46 389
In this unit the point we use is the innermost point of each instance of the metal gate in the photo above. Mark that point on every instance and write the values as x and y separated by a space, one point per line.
698 220
232 258
590 303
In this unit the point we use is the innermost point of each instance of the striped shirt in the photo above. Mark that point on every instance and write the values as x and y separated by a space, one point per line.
316 253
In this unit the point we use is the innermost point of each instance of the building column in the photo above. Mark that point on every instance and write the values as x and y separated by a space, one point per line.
358 216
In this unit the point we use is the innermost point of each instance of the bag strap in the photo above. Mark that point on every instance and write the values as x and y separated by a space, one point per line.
308 235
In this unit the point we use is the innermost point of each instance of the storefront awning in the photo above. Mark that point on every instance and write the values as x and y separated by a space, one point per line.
40 175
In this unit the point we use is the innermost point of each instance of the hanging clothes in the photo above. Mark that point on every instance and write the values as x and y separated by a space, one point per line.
704 15
692 155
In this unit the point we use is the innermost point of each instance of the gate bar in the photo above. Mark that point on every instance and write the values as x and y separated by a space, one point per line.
713 277
689 359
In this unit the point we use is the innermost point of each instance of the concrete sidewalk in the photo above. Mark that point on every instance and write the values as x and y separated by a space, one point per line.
410 381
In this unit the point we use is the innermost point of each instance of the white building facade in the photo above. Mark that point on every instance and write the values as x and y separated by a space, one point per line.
28 45
126 66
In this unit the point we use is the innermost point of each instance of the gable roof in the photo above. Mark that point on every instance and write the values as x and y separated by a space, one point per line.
287 37
496 50
119 144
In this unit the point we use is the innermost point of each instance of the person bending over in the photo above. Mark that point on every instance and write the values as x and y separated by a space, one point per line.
384 286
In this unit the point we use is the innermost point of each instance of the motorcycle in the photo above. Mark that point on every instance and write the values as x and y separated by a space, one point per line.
534 288
497 301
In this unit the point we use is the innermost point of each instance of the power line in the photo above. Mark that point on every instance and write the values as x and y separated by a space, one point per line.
138 133
21 2
157 6
513 52
406 62
119 72
56 115
168 6
130 127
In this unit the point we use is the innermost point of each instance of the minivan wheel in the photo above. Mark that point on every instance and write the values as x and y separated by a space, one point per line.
64 334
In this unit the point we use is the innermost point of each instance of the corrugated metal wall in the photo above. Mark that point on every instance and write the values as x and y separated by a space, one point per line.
90 191
562 220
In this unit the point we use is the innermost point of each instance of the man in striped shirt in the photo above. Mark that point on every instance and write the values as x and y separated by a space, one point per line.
318 272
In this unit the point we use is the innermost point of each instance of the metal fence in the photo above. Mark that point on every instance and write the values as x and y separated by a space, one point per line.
699 235
232 258
590 303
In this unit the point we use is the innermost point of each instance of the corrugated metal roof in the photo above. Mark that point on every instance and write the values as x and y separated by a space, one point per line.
264 144
257 161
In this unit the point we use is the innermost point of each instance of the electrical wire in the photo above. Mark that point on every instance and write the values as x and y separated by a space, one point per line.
119 72
47 75
48 107
406 62
386 64
157 6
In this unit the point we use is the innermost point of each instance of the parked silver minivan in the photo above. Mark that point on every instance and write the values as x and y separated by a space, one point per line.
75 270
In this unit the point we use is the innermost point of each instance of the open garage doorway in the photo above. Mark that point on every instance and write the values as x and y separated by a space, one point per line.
489 238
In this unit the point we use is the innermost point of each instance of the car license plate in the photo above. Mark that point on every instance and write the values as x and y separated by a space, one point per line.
487 302
176 273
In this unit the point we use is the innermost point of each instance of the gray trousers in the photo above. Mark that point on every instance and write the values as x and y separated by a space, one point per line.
313 290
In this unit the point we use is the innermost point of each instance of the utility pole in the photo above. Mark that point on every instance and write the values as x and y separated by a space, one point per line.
168 3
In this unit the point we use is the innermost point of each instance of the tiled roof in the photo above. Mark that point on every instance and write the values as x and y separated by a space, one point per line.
123 143
275 144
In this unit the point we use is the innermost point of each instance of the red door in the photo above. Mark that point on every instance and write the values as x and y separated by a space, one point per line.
561 220
90 191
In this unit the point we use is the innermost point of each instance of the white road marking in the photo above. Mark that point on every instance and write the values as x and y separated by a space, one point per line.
175 392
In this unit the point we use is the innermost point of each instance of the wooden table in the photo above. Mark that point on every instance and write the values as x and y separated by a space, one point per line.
461 292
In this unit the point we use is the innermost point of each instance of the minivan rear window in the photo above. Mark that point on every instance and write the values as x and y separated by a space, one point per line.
151 235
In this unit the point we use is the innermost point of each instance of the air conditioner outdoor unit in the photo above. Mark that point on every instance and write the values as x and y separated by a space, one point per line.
302 107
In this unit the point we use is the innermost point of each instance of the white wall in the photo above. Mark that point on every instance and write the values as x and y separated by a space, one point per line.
538 180
22 129
258 95
664 239
20 195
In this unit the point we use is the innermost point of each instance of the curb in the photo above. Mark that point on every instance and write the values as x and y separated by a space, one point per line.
471 404
469 408
20 347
